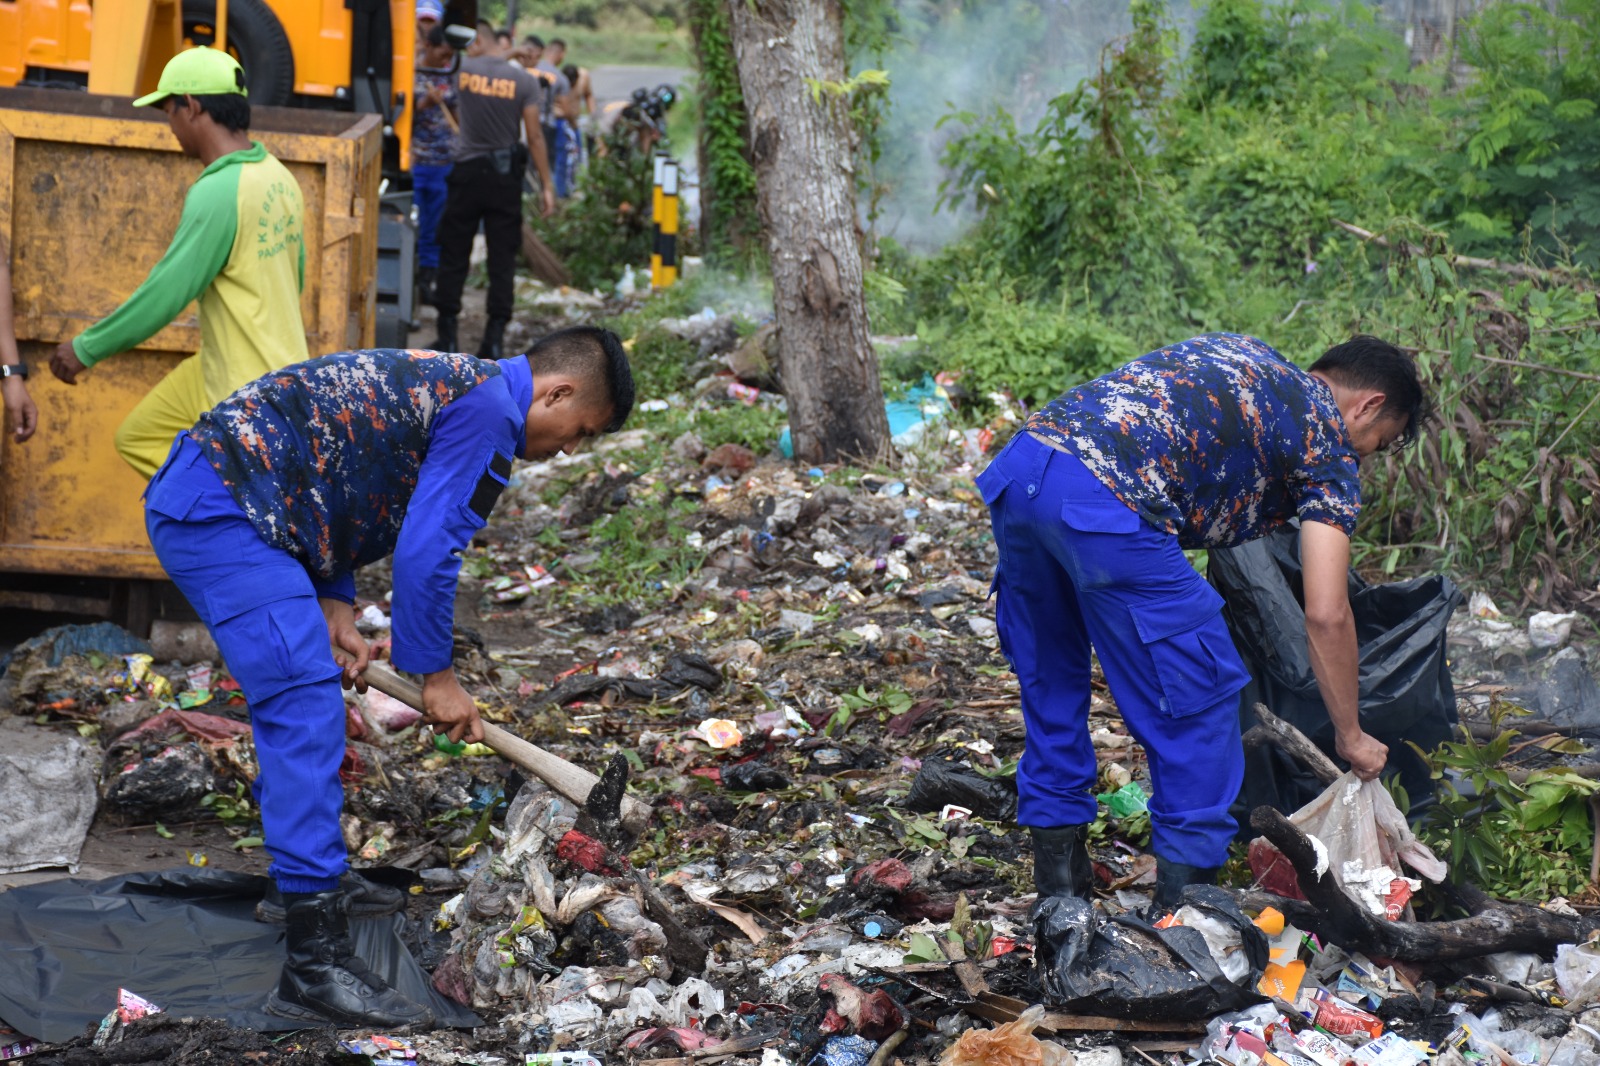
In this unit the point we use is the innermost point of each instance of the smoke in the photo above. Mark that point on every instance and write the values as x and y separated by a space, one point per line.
979 57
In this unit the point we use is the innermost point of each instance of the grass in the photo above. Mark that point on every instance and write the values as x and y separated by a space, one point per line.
627 46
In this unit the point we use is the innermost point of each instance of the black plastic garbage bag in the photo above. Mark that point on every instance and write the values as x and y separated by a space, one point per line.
682 671
944 779
1126 968
186 940
1406 692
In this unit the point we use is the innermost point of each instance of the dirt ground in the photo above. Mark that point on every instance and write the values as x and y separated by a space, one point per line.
797 667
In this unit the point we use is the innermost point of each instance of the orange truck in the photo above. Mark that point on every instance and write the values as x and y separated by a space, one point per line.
90 193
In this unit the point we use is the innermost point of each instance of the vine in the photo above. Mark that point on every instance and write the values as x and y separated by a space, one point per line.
729 222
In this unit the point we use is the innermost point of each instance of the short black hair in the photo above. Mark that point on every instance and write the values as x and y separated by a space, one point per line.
534 39
228 110
485 26
502 35
594 355
570 72
1365 362
556 42
436 35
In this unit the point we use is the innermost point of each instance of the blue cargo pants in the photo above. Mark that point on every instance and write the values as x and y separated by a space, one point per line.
262 610
1079 569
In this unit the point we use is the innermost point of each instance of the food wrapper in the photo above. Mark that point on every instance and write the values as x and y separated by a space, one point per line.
720 733
13 1045
1344 1020
130 1008
1390 1049
141 679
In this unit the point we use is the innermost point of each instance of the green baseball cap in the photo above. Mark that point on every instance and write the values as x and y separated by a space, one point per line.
197 72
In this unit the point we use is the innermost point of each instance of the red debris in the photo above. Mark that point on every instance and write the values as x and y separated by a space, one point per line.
680 1037
353 770
732 459
874 1015
590 854
891 874
355 727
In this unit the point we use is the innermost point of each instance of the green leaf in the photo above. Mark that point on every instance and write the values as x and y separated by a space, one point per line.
248 842
924 949
163 832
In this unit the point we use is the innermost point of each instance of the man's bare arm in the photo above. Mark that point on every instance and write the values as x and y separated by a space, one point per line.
1331 639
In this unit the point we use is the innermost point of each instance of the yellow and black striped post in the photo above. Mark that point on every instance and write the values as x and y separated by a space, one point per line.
666 251
655 219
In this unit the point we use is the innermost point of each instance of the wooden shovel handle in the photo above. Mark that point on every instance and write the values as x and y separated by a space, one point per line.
573 782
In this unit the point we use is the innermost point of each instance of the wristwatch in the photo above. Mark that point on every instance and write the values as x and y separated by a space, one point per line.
13 370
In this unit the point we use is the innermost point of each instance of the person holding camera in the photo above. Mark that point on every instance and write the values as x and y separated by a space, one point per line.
485 186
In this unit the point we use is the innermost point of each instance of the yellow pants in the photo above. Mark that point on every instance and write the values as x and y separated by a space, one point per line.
176 403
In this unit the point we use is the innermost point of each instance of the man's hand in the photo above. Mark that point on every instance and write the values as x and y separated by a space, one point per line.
350 651
549 200
447 707
1365 754
20 408
65 364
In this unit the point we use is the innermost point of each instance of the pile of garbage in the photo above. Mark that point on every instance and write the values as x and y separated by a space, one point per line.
798 669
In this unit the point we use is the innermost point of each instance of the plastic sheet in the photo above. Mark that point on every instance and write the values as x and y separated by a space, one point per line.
186 940
1125 967
1406 693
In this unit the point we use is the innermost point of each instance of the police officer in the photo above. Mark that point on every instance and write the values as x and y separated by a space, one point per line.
485 186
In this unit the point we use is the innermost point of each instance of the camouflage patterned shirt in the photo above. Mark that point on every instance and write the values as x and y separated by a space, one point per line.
343 460
1218 439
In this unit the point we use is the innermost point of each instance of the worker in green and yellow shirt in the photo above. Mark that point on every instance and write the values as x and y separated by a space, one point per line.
239 249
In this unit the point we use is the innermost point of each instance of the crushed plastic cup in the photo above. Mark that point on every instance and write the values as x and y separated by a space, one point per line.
720 733
1129 799
954 813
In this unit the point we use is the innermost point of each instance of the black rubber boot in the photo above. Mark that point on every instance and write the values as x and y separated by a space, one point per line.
427 280
493 338
323 978
446 340
1171 879
368 899
1061 865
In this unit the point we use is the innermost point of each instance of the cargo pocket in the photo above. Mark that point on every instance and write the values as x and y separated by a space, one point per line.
1193 657
271 632
1100 513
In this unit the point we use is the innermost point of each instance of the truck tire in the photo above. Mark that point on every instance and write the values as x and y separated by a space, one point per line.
255 38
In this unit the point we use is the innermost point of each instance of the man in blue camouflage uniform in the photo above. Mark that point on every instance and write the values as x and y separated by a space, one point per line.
1208 443
261 515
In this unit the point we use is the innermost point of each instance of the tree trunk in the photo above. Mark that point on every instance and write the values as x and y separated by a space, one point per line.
802 147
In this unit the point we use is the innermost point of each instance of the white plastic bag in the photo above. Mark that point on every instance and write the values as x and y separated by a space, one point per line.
1578 973
1362 837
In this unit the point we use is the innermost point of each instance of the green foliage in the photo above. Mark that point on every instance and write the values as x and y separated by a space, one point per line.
1003 340
728 181
1165 196
606 226
1521 841
1084 200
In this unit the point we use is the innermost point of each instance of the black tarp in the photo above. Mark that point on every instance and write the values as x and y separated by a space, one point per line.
1406 694
186 940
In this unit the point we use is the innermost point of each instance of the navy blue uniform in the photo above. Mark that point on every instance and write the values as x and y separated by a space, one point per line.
274 499
1210 442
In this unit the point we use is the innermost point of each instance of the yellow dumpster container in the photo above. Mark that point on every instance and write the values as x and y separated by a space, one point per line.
90 193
